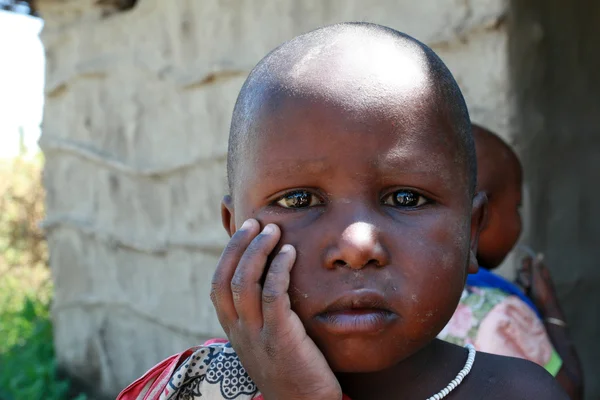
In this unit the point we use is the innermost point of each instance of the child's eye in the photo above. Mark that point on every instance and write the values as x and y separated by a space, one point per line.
299 199
404 198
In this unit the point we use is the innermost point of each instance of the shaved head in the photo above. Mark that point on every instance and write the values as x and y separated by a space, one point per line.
363 69
499 175
497 161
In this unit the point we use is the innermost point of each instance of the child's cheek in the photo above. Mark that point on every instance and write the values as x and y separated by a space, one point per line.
295 230
294 225
436 257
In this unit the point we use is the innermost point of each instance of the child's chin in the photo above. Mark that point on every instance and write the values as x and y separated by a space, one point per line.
364 363
362 359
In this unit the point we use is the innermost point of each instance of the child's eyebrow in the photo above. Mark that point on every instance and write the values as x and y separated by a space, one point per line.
396 156
405 160
284 167
402 162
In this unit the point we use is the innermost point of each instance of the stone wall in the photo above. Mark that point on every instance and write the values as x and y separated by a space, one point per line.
136 120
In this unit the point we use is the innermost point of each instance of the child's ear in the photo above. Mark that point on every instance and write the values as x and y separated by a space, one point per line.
486 215
228 215
478 220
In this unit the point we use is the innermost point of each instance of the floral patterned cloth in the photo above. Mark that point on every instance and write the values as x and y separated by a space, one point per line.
497 322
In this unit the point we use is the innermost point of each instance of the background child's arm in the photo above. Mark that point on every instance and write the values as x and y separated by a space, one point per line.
539 287
266 334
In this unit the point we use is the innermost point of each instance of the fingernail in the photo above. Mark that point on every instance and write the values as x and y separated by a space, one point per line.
246 224
285 248
269 229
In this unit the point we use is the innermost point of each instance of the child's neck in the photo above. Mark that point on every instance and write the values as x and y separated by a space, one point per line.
419 376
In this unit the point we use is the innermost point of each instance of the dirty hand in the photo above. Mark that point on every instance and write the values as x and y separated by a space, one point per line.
537 283
267 335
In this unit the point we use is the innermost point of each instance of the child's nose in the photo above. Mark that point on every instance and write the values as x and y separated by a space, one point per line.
358 247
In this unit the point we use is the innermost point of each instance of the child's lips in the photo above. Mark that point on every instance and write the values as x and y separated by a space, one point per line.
356 321
357 312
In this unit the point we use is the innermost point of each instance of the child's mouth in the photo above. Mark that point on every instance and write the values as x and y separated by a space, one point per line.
357 312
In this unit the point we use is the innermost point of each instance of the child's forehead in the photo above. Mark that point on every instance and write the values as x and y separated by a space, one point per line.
313 132
400 118
311 137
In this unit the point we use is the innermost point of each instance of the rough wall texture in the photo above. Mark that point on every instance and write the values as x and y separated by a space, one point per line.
554 53
135 131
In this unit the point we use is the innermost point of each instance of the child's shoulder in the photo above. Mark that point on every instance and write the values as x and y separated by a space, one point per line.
498 377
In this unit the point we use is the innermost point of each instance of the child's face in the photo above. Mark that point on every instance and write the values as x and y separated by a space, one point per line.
379 211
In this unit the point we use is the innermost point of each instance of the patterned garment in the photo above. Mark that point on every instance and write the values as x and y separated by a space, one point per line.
498 322
212 371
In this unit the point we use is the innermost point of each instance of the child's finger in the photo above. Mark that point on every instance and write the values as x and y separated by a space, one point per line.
524 273
275 298
220 293
246 285
538 270
541 266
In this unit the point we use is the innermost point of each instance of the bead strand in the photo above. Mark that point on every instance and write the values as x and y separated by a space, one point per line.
459 378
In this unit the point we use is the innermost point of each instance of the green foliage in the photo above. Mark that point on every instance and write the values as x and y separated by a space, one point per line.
28 369
22 242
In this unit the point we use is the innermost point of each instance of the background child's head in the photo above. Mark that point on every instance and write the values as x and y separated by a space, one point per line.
355 140
499 175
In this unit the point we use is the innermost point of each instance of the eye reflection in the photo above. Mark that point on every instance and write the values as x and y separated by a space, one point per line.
405 198
299 199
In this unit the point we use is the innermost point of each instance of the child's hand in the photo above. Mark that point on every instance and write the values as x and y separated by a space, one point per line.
267 335
537 282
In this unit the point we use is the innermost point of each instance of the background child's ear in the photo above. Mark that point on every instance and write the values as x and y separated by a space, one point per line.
228 215
478 220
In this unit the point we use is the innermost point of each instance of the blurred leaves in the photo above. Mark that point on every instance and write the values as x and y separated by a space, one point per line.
28 368
22 243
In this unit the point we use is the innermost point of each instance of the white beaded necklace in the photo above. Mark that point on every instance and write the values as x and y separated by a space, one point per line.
461 375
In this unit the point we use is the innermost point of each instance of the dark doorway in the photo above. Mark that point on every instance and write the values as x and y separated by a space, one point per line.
555 60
